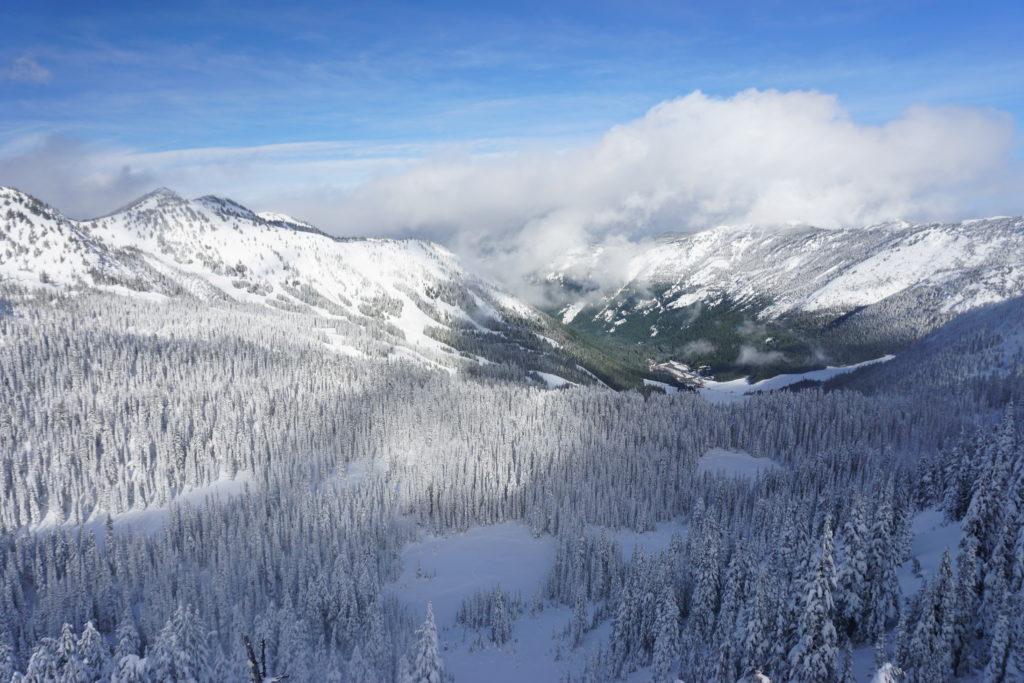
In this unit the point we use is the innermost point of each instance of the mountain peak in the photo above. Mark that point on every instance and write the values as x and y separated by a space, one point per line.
6 191
32 204
225 205
159 195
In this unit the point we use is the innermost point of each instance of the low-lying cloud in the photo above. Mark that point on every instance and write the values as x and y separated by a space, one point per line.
81 180
761 157
751 356
698 347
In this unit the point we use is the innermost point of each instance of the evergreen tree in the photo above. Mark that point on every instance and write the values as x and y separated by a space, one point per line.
127 637
999 650
360 669
578 622
43 665
930 649
501 622
164 654
882 586
130 669
757 647
7 664
968 601
815 656
853 574
666 641
424 661
93 654
68 661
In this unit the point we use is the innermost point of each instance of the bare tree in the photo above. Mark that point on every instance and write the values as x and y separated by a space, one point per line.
258 669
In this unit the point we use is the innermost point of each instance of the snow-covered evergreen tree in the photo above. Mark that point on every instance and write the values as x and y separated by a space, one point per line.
94 655
815 657
666 643
424 660
931 646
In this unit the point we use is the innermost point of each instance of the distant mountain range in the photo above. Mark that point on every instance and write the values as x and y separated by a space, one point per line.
756 301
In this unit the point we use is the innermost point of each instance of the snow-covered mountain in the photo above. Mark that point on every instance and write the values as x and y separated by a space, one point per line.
793 295
412 297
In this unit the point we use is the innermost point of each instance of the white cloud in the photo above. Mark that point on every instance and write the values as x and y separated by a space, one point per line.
81 180
26 69
761 157
698 347
750 356
695 162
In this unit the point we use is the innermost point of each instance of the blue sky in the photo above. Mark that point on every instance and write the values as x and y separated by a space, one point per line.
160 76
369 88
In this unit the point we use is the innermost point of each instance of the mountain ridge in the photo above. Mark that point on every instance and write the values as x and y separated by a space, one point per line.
785 293
412 296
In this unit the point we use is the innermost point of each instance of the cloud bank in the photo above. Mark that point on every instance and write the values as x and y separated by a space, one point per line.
698 161
81 180
761 157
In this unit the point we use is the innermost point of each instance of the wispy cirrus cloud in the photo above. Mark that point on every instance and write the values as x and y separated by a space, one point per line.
26 69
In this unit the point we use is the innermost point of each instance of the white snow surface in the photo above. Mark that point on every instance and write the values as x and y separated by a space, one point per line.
932 536
801 268
740 389
553 381
734 463
446 570
571 311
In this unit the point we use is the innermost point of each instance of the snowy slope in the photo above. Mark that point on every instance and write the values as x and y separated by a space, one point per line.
38 245
412 294
811 269
799 297
984 345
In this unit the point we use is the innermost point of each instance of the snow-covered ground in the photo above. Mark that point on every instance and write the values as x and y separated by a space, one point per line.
215 248
668 388
152 519
446 570
801 268
723 461
553 381
740 389
651 541
933 535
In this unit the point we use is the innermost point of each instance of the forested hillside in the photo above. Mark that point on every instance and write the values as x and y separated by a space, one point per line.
179 473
